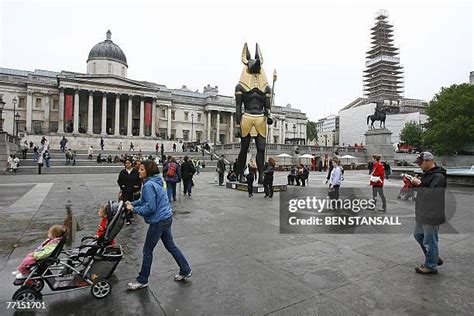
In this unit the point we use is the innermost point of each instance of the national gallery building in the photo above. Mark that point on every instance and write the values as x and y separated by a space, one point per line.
103 102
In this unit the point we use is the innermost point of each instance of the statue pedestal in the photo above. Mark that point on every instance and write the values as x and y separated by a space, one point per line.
378 141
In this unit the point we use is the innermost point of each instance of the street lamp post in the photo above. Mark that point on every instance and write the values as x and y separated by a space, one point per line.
17 118
294 133
2 104
192 126
15 131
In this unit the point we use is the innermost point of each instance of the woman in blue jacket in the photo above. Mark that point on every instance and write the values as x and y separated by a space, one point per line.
155 208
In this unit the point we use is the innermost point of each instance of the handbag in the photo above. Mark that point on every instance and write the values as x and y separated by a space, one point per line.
375 179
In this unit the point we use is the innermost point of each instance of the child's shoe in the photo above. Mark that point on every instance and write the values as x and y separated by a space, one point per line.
20 275
15 272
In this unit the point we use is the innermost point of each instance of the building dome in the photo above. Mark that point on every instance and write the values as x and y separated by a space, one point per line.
107 50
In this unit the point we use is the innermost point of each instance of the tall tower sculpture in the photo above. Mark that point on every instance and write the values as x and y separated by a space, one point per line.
383 77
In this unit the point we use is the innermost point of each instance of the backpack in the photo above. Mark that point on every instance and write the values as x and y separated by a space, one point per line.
171 170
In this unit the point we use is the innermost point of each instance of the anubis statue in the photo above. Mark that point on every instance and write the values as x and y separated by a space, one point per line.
255 94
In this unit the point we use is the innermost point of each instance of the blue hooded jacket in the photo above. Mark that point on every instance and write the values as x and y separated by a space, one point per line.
153 204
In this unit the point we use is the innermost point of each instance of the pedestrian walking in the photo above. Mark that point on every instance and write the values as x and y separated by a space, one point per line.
172 175
377 180
68 155
429 210
41 151
187 172
63 144
132 148
157 213
35 153
268 177
46 158
90 152
101 144
174 147
221 169
251 174
129 183
74 155
335 180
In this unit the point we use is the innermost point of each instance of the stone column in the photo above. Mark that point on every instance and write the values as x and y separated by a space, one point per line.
103 129
231 128
76 112
61 111
129 116
209 126
142 116
117 115
47 112
270 141
29 111
283 128
153 118
169 121
90 113
218 126
280 123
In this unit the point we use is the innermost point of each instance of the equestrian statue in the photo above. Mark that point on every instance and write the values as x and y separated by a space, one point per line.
254 93
379 115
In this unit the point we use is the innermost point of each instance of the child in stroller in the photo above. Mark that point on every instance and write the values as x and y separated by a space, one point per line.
90 265
407 191
55 233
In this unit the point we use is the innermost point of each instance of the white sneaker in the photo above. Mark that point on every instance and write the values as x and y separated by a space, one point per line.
179 277
19 275
136 285
15 272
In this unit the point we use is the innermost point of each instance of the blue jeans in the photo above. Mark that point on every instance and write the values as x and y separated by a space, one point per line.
427 237
162 230
171 190
188 184
46 161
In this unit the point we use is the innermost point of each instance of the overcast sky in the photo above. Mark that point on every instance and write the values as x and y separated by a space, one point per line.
318 48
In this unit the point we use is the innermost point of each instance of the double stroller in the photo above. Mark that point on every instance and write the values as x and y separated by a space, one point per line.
89 265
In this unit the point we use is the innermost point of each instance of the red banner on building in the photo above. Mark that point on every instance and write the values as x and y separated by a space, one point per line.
148 113
68 108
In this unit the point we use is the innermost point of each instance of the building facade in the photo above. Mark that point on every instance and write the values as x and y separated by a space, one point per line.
104 102
328 131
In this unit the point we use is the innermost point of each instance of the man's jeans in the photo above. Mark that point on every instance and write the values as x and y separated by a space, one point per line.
188 184
427 237
171 190
162 230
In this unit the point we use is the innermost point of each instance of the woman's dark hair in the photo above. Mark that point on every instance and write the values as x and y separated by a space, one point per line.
151 168
127 159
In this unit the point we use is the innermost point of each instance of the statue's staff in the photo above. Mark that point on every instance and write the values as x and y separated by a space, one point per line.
272 101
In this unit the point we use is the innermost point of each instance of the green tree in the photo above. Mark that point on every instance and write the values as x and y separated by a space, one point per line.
311 131
412 134
450 126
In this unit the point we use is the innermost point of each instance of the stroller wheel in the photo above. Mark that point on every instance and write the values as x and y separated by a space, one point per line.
26 294
38 285
101 288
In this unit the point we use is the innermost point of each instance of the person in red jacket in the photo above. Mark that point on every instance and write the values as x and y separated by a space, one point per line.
377 178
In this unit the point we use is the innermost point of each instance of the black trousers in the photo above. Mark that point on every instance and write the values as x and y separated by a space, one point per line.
291 180
250 180
379 190
221 178
268 186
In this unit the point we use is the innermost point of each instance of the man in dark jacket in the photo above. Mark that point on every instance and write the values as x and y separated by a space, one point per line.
429 210
187 172
221 169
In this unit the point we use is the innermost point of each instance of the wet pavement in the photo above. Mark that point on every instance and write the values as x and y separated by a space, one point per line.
241 263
